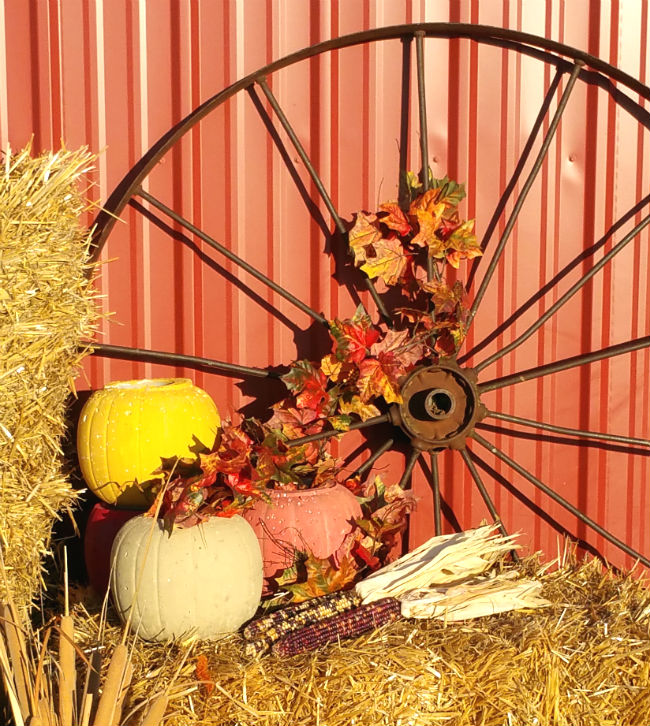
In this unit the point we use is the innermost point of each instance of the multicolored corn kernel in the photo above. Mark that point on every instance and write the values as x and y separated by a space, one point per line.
286 620
343 625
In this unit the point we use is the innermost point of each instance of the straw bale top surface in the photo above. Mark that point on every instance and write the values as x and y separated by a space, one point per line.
583 661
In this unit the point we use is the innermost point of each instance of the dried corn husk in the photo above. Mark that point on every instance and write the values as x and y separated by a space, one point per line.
474 599
441 560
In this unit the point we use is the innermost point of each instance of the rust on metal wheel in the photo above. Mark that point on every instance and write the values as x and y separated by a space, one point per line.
442 406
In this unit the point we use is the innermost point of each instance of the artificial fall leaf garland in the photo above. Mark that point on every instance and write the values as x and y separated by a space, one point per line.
364 367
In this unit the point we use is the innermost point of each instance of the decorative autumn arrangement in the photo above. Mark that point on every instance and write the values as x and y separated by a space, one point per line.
254 466
448 578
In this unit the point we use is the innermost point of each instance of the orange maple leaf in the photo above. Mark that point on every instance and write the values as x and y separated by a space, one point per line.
429 223
322 577
395 218
378 377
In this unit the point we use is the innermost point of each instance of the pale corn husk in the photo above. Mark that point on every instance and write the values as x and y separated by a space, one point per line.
441 560
474 599
47 308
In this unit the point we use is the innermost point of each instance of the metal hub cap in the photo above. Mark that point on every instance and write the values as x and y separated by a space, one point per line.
440 406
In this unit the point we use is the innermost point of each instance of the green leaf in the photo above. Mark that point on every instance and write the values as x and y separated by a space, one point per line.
341 422
449 191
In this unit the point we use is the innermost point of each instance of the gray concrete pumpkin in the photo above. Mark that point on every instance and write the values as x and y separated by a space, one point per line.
205 580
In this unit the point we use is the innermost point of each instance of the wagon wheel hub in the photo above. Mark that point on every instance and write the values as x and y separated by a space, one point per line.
440 406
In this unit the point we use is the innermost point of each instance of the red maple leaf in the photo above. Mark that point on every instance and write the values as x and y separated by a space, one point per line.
295 422
231 454
241 484
352 339
308 383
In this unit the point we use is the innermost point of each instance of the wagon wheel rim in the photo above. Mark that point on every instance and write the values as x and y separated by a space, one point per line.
429 384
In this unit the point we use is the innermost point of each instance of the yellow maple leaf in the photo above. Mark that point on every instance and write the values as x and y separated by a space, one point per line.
331 367
365 233
356 405
390 262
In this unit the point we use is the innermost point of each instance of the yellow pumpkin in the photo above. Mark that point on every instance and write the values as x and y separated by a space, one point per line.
126 428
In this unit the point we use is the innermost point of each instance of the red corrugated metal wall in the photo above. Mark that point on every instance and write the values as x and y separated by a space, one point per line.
117 74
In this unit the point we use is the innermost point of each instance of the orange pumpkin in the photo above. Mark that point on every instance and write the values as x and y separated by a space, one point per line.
311 520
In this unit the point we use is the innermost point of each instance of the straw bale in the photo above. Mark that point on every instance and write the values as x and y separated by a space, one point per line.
47 308
582 661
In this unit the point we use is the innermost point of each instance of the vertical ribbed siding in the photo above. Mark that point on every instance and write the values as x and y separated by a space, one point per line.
116 75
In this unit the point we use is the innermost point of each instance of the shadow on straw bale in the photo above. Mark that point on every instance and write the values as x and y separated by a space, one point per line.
47 308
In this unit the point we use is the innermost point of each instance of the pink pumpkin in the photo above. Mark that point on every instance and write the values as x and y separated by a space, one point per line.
311 520
102 527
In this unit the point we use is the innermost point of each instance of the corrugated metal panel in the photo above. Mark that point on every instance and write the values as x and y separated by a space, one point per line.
116 75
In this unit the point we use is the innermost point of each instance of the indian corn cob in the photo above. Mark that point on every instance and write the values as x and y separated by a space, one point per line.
344 625
272 627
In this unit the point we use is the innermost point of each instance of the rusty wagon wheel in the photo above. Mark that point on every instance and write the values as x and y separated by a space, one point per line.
458 385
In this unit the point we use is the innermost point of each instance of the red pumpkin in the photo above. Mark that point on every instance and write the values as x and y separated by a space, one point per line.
102 527
311 520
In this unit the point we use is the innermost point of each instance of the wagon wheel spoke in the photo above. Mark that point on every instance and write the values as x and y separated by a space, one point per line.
435 485
564 298
374 421
368 464
230 255
556 279
432 270
486 497
405 104
172 359
518 171
615 438
565 364
318 182
408 469
524 191
560 499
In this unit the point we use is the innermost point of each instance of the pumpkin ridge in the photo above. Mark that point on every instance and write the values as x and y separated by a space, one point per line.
138 430
106 453
156 568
